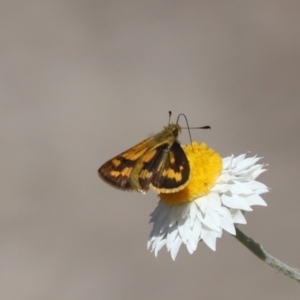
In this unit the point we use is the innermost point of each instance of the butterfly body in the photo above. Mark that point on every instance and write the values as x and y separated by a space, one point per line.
158 161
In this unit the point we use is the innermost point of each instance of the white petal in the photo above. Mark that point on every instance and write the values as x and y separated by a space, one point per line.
238 159
227 221
227 161
183 228
212 219
257 172
214 200
195 234
158 245
235 202
193 211
255 200
246 163
209 238
221 188
238 217
190 248
240 188
256 185
171 236
175 247
201 202
185 210
175 214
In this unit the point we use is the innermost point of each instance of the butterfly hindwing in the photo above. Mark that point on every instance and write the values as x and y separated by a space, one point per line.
152 166
174 173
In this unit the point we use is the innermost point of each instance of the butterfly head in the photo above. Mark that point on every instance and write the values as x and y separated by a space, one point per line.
173 130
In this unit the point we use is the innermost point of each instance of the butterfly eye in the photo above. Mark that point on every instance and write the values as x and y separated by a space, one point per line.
175 132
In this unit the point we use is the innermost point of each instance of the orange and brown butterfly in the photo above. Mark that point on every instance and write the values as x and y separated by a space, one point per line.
158 161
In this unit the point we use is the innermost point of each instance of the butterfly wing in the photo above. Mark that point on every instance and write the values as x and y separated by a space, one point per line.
117 171
168 171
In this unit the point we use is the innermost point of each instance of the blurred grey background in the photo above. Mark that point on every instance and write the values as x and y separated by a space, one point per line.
81 81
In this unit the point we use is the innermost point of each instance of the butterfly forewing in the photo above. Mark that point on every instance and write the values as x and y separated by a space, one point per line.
117 170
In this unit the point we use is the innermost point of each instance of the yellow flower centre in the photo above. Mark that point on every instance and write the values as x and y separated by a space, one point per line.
205 167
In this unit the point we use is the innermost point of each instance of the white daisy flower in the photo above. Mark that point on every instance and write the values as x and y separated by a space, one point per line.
218 194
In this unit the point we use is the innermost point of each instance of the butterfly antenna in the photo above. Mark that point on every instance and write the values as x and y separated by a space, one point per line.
189 128
170 114
187 123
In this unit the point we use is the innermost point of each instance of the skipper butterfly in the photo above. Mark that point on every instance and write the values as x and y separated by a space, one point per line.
159 161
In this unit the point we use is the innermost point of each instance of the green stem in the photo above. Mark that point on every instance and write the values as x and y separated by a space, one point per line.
258 250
